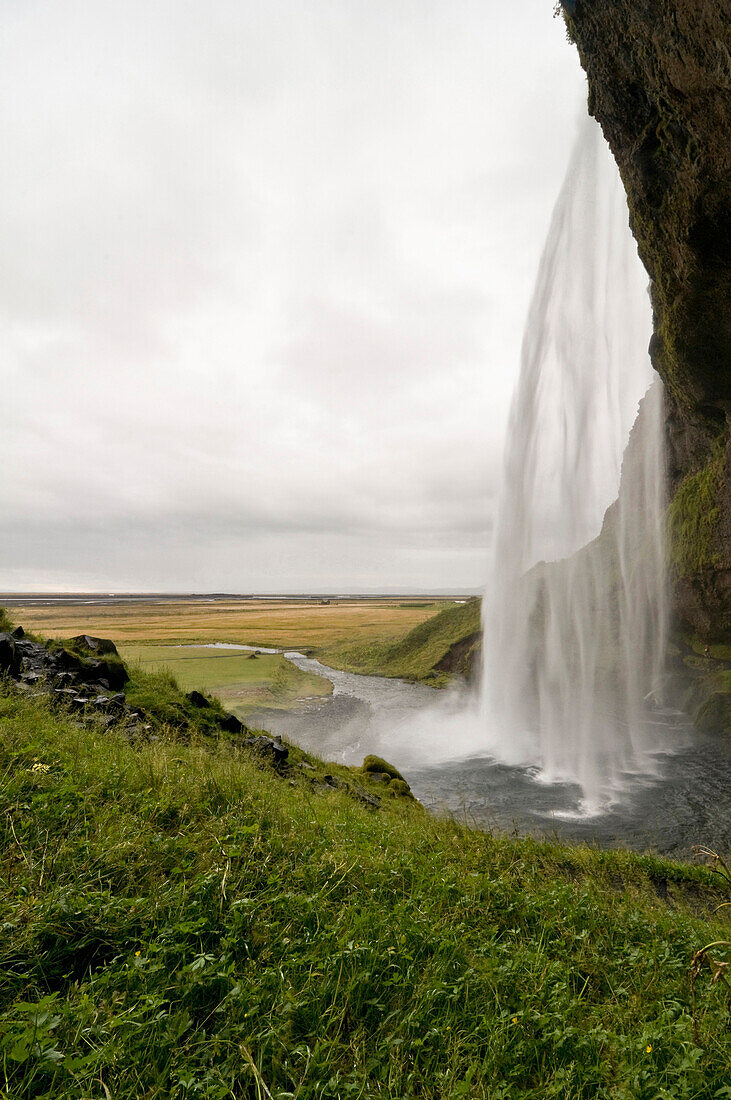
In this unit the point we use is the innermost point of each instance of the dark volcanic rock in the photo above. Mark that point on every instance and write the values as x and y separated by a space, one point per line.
197 699
659 84
112 674
100 646
9 655
231 724
270 748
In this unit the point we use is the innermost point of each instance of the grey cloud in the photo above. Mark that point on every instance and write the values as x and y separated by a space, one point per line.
264 272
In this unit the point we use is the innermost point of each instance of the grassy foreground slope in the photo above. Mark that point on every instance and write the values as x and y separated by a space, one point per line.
432 650
179 921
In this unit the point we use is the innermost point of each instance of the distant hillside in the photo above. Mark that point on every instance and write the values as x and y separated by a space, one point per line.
436 650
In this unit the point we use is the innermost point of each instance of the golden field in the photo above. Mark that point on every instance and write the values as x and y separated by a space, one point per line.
303 624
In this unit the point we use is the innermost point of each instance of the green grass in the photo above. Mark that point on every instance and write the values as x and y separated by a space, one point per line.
416 656
243 682
176 921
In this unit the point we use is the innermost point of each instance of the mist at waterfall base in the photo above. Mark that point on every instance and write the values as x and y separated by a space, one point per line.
568 731
574 611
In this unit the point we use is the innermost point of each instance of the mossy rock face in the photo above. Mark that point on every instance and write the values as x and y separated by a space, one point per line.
693 520
658 85
375 764
714 716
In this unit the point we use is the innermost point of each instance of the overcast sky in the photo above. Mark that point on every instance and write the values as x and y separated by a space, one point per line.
265 266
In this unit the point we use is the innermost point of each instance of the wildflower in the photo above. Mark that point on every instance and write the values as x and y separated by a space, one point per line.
514 1020
648 1048
38 767
137 954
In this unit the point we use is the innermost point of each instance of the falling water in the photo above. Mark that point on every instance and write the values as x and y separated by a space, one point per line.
574 613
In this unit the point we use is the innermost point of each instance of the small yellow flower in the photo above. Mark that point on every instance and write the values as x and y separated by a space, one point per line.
648 1048
137 954
514 1020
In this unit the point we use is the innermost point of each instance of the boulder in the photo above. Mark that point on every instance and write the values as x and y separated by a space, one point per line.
17 632
197 699
65 661
378 766
98 646
270 748
112 674
231 724
399 788
9 656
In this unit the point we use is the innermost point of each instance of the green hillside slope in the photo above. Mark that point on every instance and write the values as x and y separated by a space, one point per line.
435 650
179 919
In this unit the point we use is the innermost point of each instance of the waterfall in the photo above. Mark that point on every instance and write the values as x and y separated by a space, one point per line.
574 610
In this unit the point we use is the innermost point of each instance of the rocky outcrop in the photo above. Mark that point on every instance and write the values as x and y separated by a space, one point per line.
659 75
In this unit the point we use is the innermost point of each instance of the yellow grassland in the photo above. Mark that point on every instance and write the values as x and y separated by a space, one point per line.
297 623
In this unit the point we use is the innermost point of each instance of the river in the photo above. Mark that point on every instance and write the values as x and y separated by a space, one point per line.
683 798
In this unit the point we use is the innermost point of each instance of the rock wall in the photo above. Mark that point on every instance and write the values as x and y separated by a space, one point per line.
659 74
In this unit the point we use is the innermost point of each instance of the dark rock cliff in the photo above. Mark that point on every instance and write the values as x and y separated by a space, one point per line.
659 75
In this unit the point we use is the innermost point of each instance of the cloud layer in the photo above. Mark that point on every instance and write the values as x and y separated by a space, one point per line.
265 270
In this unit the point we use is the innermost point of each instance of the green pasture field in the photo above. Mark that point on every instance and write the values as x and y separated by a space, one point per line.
244 682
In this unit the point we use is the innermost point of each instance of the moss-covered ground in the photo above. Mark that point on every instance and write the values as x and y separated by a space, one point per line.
178 920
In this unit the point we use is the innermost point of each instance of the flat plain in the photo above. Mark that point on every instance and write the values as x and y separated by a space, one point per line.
285 623
171 635
244 682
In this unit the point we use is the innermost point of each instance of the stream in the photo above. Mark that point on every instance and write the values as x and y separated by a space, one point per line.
683 798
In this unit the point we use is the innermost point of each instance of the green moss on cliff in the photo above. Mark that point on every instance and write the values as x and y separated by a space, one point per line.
693 519
423 654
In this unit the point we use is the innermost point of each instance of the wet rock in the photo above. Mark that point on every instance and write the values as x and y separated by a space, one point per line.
197 699
9 656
